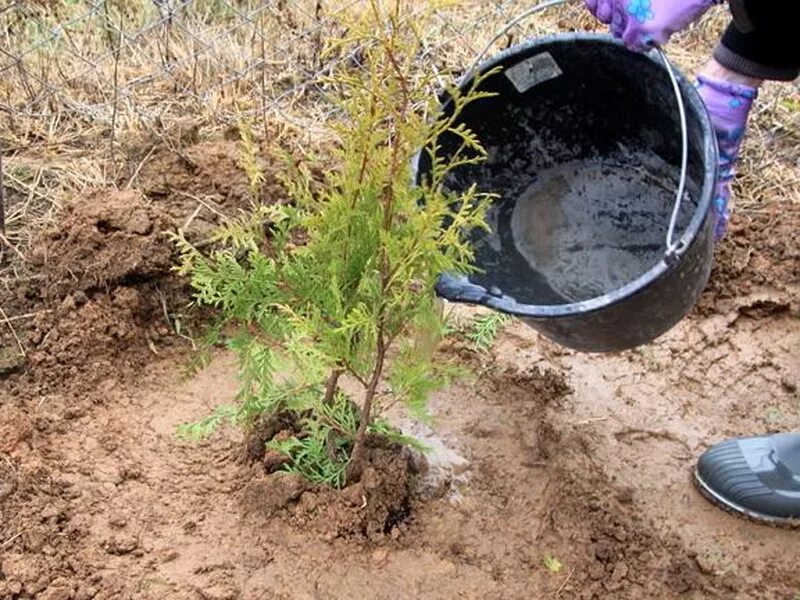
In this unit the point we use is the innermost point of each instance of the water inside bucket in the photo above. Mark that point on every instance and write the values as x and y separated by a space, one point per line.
579 229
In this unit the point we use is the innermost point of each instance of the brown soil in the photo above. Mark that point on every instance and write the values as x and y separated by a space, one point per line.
546 454
370 507
206 177
760 261
374 506
104 300
99 299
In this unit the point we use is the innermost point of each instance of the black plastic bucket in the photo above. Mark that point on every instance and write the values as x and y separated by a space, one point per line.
584 143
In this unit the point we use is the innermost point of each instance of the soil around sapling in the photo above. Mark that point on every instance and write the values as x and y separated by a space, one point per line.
370 508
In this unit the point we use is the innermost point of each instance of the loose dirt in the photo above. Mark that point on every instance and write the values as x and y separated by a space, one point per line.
98 299
369 508
760 259
104 300
206 176
546 457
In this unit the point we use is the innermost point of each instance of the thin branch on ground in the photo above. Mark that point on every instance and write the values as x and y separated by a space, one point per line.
32 315
11 246
10 540
564 583
13 331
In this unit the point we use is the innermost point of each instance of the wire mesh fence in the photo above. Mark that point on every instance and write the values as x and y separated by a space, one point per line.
83 81
80 71
80 79
105 62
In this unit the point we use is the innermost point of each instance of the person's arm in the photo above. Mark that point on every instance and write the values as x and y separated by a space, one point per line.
758 44
728 97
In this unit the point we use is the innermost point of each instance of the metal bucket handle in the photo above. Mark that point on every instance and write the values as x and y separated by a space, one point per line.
672 247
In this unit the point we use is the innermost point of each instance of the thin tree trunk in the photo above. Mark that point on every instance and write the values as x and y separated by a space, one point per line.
356 466
331 386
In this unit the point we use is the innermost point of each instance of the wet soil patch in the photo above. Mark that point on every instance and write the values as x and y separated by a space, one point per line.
375 506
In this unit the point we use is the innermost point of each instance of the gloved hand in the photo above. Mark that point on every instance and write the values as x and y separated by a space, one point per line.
728 105
644 23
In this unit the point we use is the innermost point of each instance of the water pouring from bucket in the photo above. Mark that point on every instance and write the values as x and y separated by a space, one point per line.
588 241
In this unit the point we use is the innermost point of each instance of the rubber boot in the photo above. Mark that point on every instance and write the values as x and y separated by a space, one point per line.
758 477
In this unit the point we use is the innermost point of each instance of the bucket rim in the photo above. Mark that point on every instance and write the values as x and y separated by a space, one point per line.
460 289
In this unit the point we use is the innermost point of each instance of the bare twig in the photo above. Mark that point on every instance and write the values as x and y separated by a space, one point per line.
263 81
13 331
192 217
27 316
10 540
206 203
114 105
318 36
564 583
138 168
11 246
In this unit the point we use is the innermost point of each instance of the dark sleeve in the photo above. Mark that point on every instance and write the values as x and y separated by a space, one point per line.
762 40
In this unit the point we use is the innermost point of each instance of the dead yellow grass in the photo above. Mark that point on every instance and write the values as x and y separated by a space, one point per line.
83 89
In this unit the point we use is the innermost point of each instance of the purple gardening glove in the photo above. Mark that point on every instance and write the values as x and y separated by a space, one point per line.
728 105
644 23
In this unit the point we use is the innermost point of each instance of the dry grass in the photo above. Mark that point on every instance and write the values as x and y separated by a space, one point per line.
79 102
85 85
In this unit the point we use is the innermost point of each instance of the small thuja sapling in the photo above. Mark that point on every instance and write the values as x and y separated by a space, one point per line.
339 282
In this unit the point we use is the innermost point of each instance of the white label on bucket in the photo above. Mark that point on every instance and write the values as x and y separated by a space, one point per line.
533 71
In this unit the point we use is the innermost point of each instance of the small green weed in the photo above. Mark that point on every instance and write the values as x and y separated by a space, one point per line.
484 330
552 564
773 415
793 105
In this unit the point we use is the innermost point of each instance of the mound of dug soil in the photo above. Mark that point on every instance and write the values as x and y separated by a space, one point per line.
761 252
371 508
105 240
102 292
203 181
207 169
